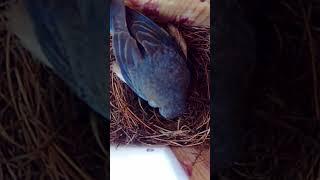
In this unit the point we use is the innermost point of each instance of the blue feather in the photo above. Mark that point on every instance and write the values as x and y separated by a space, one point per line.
72 36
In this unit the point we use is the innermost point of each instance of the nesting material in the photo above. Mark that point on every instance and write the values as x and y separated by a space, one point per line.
134 121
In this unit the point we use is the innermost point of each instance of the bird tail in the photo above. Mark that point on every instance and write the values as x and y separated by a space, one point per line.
117 16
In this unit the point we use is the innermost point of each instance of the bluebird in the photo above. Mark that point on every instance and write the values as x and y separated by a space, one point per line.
149 60
70 38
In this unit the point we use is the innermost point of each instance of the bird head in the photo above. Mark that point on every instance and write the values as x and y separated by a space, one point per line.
173 110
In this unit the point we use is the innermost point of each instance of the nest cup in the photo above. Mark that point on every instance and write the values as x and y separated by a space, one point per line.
134 121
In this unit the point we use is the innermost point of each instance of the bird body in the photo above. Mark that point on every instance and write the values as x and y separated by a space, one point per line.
68 37
149 60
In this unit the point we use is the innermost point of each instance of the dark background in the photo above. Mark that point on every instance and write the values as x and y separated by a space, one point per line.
281 138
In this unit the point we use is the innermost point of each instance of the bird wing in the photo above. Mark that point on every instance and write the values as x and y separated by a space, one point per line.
147 33
126 52
125 47
127 55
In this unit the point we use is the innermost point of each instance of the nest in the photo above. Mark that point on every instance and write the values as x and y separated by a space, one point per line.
134 121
